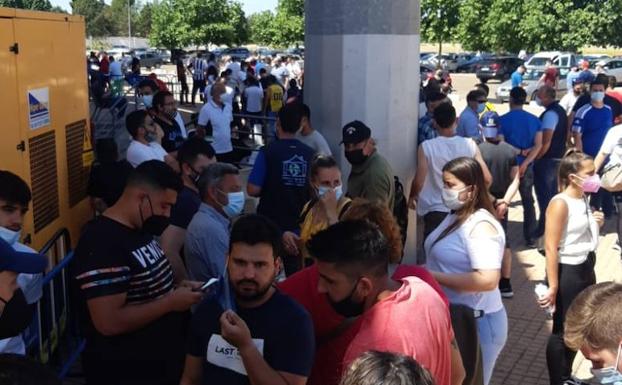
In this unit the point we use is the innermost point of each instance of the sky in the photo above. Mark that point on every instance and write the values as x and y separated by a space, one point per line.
250 6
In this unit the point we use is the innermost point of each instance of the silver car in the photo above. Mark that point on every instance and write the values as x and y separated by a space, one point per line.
531 83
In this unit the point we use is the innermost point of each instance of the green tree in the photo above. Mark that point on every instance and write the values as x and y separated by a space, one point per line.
34 5
168 27
260 27
118 14
288 26
142 23
94 12
439 19
470 30
240 24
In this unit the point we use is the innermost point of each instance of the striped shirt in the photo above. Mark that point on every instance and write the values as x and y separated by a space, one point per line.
199 67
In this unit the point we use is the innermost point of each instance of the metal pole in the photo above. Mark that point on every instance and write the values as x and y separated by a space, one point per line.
129 22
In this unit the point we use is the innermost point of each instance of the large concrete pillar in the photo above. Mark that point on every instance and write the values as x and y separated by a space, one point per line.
362 62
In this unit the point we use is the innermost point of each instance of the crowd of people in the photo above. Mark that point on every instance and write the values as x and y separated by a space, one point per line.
177 280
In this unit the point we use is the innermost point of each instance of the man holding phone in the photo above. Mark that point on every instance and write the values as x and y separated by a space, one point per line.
269 339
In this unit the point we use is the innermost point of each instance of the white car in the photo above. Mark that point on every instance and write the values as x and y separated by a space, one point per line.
531 81
448 61
612 67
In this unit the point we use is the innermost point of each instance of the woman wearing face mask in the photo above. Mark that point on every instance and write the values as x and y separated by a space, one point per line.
465 251
324 209
570 238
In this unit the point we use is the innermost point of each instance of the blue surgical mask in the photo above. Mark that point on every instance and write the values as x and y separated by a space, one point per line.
598 96
11 237
235 205
148 100
323 190
481 107
610 374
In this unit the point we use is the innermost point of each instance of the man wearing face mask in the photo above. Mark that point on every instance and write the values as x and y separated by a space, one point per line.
268 338
132 314
352 261
15 311
468 123
207 239
193 156
590 126
15 197
594 326
147 88
570 98
371 176
164 113
145 145
586 98
280 177
219 115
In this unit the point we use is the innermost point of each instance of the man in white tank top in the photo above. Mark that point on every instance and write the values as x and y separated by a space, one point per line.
432 155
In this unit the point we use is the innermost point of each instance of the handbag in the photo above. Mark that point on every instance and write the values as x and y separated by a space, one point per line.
612 178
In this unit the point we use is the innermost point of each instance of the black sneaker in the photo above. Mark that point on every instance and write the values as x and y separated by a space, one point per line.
505 287
530 243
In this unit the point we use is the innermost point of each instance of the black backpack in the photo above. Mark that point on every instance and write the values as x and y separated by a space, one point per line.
400 208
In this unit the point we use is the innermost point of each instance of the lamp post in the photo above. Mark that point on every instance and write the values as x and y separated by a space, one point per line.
129 23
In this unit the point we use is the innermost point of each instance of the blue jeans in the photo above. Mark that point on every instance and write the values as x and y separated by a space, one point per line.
493 333
271 133
545 183
525 189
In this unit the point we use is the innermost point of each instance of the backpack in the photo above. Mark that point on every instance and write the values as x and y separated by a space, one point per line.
400 208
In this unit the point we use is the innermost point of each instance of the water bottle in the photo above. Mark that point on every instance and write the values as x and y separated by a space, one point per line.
541 291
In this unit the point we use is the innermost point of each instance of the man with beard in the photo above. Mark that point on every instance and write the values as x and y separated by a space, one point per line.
268 339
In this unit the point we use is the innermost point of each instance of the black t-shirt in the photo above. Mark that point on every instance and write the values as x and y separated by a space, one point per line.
110 259
281 328
616 107
107 180
173 138
188 202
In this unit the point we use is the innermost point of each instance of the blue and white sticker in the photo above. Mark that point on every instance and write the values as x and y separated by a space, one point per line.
39 108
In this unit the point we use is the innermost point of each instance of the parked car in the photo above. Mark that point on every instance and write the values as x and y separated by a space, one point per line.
560 59
497 67
612 67
149 59
470 65
531 82
448 61
165 55
240 53
118 50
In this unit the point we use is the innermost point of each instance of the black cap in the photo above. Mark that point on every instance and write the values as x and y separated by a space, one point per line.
355 132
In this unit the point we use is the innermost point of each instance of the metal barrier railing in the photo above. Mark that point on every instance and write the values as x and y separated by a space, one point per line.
53 336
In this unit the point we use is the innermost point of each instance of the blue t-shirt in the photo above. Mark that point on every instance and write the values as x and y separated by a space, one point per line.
517 79
592 123
519 128
282 171
187 204
280 325
468 125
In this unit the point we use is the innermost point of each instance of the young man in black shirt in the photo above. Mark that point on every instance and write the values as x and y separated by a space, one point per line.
133 317
108 175
193 156
164 111
268 339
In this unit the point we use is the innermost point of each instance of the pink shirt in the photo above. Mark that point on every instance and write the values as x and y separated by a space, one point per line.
413 321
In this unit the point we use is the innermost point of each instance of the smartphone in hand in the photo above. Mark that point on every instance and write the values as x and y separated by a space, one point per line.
206 285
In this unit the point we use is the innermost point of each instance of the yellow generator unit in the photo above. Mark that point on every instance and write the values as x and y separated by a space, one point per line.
44 105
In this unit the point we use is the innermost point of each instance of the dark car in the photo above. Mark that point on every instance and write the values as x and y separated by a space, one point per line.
239 53
498 67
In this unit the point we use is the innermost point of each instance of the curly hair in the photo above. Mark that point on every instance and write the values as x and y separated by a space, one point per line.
379 214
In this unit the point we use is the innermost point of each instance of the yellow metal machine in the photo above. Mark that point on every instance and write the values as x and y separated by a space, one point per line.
44 107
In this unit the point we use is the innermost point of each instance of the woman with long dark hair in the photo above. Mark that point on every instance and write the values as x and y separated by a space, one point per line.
465 251
570 239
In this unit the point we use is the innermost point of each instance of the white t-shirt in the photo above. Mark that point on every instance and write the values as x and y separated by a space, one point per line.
612 145
182 125
115 70
138 152
580 235
280 73
227 98
254 98
316 141
221 125
438 152
568 101
460 252
235 69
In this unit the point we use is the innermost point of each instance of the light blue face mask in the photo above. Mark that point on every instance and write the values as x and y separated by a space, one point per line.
609 375
323 190
148 100
11 237
481 107
597 96
235 205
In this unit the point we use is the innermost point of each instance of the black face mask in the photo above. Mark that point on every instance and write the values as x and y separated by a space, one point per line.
356 156
155 224
16 316
347 307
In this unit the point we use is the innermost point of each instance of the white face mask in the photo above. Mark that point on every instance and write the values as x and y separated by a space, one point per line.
11 237
451 198
609 375
148 100
323 190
